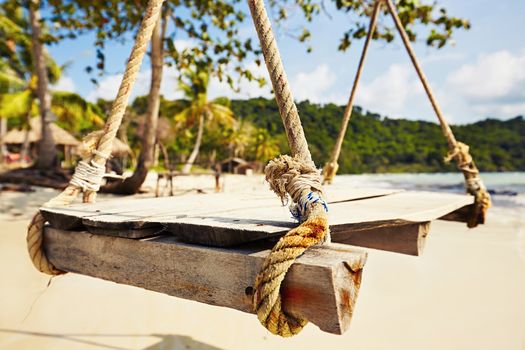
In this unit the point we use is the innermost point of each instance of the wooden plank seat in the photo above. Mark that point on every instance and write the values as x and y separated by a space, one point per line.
381 219
321 286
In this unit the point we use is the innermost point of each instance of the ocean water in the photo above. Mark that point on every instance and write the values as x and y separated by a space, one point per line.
507 189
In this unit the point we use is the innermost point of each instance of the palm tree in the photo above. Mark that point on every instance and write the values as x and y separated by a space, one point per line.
239 140
265 146
132 184
9 83
22 52
201 111
46 148
73 113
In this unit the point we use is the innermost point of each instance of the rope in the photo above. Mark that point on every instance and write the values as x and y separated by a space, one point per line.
289 177
296 177
331 167
88 176
89 172
473 183
457 150
283 95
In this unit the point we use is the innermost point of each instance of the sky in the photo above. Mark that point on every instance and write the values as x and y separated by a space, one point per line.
481 75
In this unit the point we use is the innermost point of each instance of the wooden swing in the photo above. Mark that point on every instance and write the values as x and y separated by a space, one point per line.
190 247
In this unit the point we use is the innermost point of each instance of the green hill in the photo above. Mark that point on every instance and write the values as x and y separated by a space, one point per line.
379 144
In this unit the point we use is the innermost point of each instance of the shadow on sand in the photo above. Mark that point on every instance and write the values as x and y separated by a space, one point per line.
166 341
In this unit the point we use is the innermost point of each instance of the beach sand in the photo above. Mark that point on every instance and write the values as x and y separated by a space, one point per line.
467 291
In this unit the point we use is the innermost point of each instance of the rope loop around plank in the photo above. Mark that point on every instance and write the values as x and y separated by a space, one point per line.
473 183
89 172
290 177
296 177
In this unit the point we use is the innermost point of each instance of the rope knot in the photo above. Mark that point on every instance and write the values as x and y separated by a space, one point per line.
462 156
290 177
473 183
329 171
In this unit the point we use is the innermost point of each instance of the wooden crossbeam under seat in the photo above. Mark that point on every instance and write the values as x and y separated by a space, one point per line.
322 286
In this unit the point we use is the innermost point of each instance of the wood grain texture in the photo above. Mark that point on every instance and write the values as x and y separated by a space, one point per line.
322 285
460 215
134 214
394 222
400 237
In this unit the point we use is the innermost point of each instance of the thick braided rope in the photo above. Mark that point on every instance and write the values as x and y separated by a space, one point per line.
89 177
296 176
424 81
331 167
283 95
473 183
290 177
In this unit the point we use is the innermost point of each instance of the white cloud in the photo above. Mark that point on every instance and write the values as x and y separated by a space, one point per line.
435 57
390 92
314 85
181 44
492 75
168 86
107 88
65 83
248 89
493 84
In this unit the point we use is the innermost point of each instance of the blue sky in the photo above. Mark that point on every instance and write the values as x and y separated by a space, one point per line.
481 75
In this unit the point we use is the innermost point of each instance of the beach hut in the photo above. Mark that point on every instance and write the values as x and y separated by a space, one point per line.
63 139
237 165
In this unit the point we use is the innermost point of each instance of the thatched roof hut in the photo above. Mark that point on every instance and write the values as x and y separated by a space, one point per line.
236 165
60 136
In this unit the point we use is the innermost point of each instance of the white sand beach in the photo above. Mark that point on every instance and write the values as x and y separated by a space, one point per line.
467 291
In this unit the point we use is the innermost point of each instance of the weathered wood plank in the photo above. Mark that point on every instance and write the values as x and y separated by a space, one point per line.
220 220
133 209
322 285
460 215
135 214
381 217
401 237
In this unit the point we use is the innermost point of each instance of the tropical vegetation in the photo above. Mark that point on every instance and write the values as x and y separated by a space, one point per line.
203 131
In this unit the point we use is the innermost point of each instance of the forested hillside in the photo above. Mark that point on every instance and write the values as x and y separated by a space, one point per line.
380 144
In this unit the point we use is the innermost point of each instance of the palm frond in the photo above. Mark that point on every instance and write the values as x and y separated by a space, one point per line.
16 104
222 114
74 113
9 81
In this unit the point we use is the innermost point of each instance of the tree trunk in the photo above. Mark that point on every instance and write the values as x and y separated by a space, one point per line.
131 185
166 156
195 151
24 152
3 131
46 152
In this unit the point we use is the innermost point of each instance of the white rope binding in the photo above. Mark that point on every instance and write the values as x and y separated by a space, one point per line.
88 176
